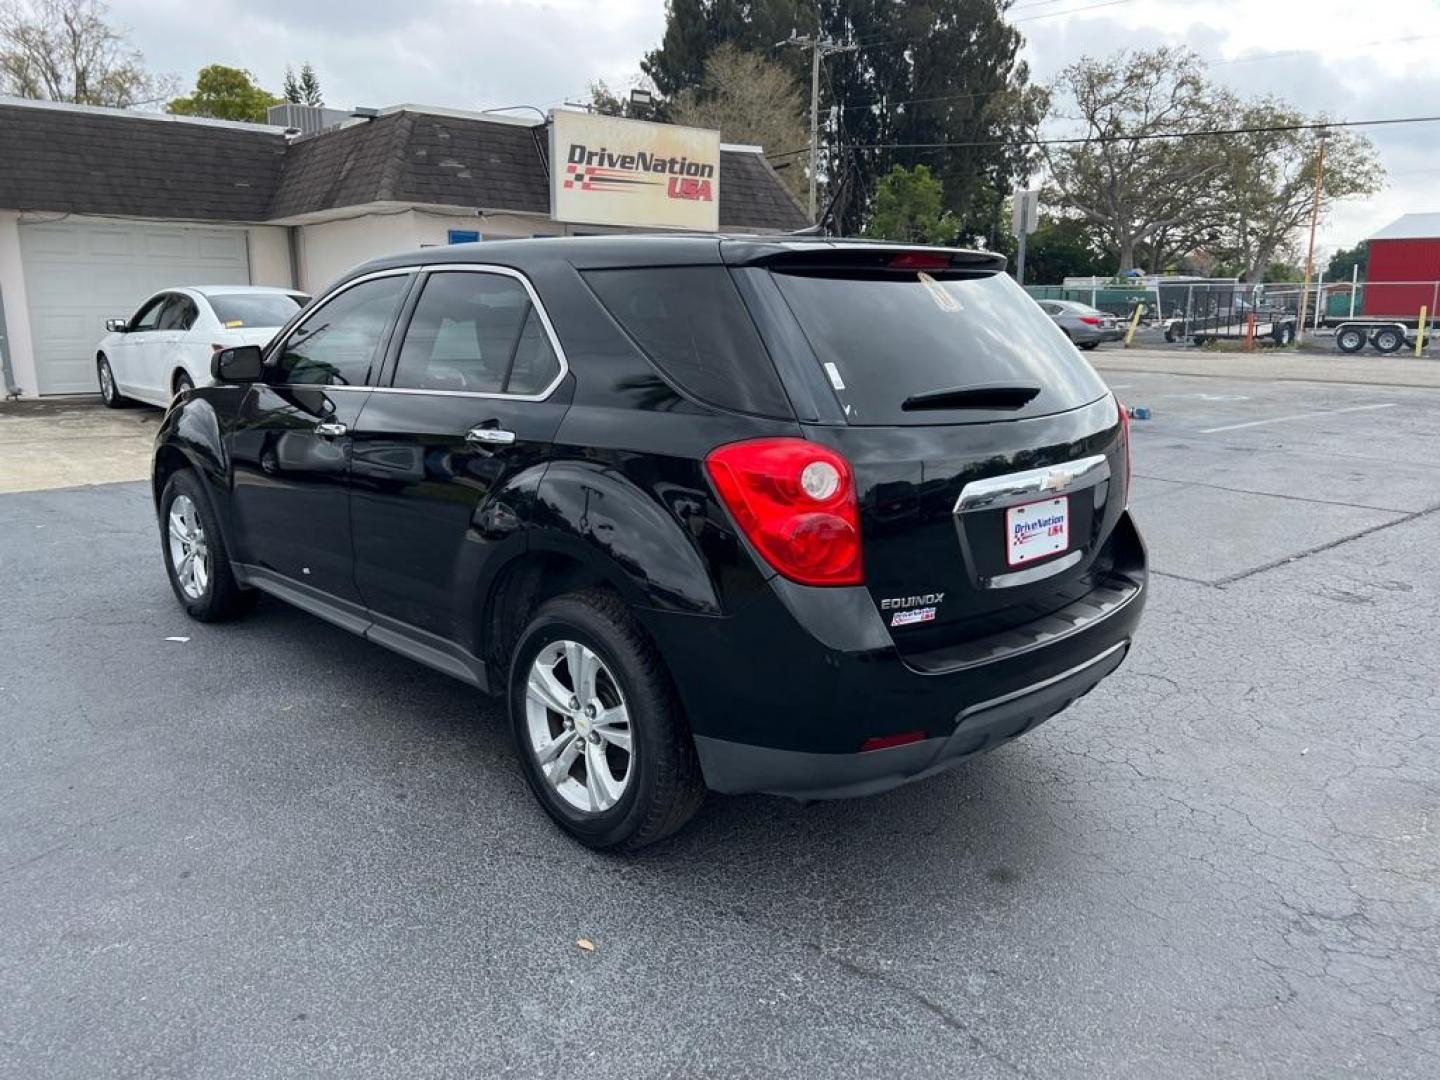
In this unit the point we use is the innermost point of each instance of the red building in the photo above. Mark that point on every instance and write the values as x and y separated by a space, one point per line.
1404 271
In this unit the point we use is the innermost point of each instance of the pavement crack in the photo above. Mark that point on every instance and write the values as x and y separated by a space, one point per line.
1322 548
924 1001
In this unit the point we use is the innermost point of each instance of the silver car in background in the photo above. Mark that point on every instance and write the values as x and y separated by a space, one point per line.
1086 326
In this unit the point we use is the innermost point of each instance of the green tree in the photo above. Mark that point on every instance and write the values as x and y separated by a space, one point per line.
1136 179
1267 192
944 74
1061 248
748 99
66 50
1344 261
225 93
291 91
310 87
696 28
910 207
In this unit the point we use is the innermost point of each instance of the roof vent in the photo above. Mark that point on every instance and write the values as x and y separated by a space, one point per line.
305 119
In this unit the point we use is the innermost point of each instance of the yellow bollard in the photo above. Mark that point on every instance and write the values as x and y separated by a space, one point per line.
1420 337
1134 322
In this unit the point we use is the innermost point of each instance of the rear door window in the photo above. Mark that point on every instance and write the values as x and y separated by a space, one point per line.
477 332
693 326
179 314
886 337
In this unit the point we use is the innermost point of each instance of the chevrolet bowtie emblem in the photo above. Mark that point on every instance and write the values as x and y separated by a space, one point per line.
1057 480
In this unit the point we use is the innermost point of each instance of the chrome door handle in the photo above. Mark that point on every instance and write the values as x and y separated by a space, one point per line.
493 435
330 429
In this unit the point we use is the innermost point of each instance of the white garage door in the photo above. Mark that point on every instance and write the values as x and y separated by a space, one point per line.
78 274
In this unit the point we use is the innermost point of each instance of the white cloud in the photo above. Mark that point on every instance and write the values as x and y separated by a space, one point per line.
1350 61
1353 61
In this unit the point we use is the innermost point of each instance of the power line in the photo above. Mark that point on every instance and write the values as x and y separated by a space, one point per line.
871 103
1102 139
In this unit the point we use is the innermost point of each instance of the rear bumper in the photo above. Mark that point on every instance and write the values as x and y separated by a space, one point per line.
736 767
782 694
1096 335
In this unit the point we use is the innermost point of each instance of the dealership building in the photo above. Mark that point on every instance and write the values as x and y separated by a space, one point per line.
100 207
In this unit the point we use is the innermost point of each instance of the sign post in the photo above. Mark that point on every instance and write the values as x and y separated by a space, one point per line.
1024 219
605 170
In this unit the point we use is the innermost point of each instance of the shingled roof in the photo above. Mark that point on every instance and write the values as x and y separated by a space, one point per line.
109 162
103 161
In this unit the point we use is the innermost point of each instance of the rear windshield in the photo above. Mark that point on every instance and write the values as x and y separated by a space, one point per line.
692 324
237 310
886 337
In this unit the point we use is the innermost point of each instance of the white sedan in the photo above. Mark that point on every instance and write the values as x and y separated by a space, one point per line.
165 349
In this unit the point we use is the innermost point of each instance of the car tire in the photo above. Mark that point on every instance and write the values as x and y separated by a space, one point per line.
602 794
1350 340
109 393
1090 345
1387 340
197 560
181 383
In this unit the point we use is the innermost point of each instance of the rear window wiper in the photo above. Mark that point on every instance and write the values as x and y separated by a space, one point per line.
984 396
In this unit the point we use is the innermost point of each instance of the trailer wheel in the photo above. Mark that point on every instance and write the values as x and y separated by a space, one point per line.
1284 334
1350 340
1170 334
1387 340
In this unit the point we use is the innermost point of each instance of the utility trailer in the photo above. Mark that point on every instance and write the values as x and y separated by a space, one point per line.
1228 314
1384 335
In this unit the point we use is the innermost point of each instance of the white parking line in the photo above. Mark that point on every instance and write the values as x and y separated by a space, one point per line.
1297 416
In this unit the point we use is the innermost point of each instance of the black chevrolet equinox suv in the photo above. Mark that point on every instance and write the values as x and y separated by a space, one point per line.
805 517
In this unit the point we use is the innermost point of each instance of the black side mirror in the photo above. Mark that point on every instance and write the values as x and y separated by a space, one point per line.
241 364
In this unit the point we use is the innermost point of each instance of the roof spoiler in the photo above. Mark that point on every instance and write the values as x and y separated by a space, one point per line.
864 255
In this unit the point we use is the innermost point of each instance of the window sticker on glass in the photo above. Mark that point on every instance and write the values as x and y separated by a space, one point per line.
944 300
835 380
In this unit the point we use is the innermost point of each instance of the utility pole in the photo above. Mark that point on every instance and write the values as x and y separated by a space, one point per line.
820 47
1322 135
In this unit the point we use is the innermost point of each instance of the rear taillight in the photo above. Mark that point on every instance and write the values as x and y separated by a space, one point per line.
795 502
1091 320
1125 436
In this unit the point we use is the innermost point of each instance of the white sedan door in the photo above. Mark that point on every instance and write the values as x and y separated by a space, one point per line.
165 349
128 353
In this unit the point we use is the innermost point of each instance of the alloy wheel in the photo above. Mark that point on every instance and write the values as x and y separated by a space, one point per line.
579 726
189 551
107 381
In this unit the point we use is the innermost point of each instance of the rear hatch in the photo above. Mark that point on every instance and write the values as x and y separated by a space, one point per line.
989 457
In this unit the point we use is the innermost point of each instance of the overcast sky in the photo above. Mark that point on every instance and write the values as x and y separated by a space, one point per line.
1353 60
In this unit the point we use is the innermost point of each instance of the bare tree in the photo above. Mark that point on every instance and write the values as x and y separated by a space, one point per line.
1137 178
65 50
750 99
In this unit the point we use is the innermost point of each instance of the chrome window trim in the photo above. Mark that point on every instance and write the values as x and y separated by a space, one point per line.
503 271
425 269
278 346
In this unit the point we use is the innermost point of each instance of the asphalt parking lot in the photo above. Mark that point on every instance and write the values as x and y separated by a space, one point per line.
270 849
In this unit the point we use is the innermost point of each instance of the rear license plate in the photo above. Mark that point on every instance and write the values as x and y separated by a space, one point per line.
1037 529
